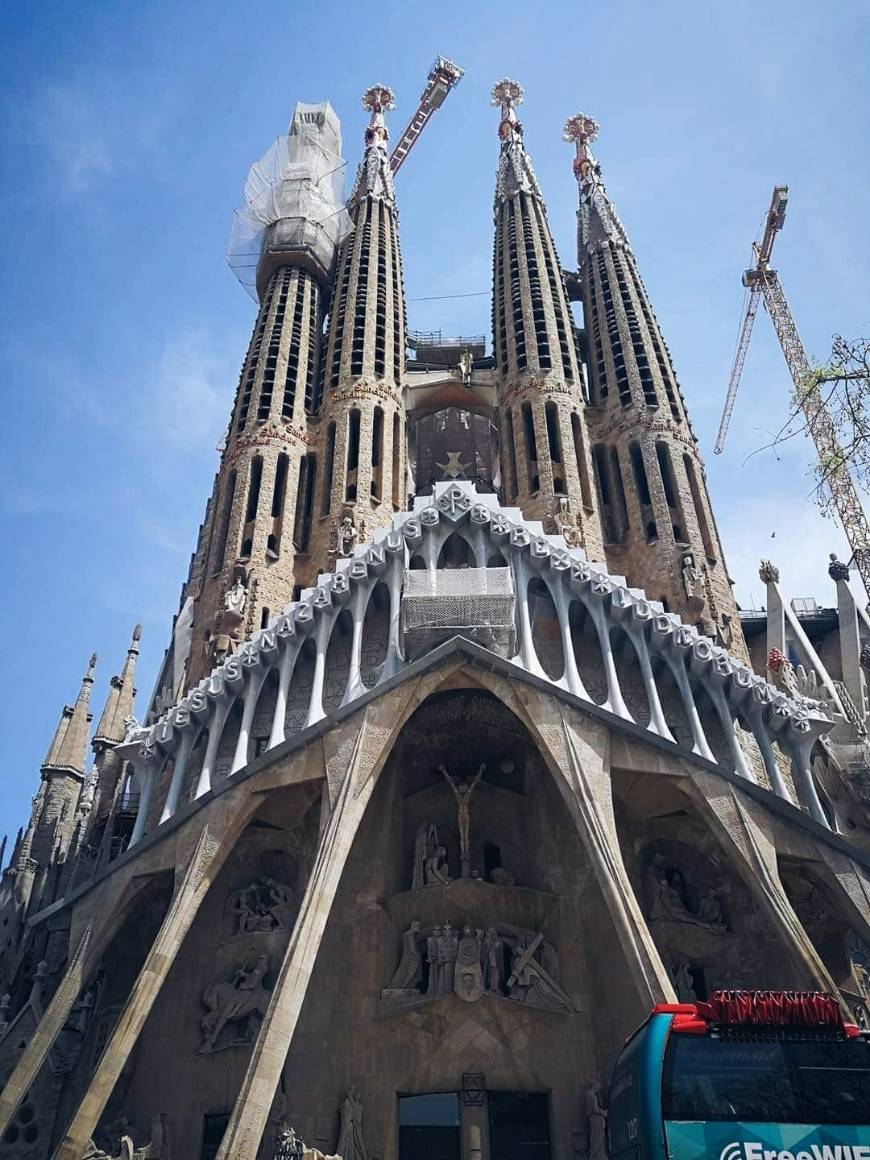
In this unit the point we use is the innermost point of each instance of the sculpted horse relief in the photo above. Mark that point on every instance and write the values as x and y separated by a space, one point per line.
244 998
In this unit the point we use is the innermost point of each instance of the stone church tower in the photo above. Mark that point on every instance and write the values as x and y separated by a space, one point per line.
456 763
659 528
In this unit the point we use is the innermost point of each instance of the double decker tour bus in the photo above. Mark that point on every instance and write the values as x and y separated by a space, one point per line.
747 1075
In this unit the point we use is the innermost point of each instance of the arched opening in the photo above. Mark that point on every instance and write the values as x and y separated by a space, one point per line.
417 563
398 482
631 681
353 433
256 479
496 559
227 744
672 704
264 712
328 469
455 552
337 661
375 634
299 694
587 652
377 452
224 525
194 765
546 635
711 723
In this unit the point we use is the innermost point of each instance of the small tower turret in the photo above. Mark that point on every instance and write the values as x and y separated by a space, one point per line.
63 773
98 793
546 466
362 435
658 523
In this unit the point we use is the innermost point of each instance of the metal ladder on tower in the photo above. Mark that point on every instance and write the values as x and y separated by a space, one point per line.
443 76
763 282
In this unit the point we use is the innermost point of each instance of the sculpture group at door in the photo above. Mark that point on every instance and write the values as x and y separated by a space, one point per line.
244 998
471 962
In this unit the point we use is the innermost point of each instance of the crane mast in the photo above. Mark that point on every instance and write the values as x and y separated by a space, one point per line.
763 282
443 76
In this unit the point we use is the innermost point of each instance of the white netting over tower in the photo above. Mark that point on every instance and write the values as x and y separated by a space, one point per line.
294 198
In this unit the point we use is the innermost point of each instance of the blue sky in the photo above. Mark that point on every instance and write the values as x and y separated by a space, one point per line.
128 129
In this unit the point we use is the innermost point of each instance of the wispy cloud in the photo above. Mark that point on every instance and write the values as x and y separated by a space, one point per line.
94 129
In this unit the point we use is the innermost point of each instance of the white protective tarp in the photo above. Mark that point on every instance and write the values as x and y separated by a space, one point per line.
301 176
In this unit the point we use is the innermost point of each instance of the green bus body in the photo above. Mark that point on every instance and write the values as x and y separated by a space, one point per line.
677 1096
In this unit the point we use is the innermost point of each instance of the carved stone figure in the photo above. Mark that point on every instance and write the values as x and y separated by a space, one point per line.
409 972
432 960
262 906
665 896
448 945
468 975
351 1141
780 672
529 982
692 577
768 572
346 536
235 598
463 791
684 984
710 909
597 1118
565 524
465 365
493 961
425 845
245 998
436 868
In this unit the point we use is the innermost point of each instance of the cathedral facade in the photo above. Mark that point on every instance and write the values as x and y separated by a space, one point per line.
461 755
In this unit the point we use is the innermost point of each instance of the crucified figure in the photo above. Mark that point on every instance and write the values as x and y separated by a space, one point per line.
463 791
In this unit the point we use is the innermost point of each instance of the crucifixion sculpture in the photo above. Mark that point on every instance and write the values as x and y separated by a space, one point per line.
463 791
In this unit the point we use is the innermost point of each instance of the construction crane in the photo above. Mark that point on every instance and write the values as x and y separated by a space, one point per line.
762 282
443 76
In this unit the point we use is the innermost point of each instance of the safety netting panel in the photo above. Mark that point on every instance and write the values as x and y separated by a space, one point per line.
301 177
458 598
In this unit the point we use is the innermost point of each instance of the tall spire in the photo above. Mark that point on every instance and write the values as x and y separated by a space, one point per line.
597 220
659 529
515 171
119 703
546 463
361 442
71 753
374 175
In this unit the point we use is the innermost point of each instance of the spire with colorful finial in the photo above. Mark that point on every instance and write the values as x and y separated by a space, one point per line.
597 218
515 173
374 177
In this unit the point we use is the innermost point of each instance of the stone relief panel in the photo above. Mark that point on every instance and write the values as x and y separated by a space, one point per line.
469 962
235 1007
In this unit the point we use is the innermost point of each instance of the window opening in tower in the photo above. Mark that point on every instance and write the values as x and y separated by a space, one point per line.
273 543
225 514
253 503
678 522
643 493
700 509
353 428
328 467
305 502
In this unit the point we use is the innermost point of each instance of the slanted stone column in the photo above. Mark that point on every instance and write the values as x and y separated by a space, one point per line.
198 877
50 1025
749 838
250 1114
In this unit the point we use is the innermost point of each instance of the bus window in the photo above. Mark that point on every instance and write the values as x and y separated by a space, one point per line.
773 1081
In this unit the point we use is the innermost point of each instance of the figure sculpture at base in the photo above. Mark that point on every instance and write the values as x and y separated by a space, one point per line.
351 1141
597 1115
409 972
